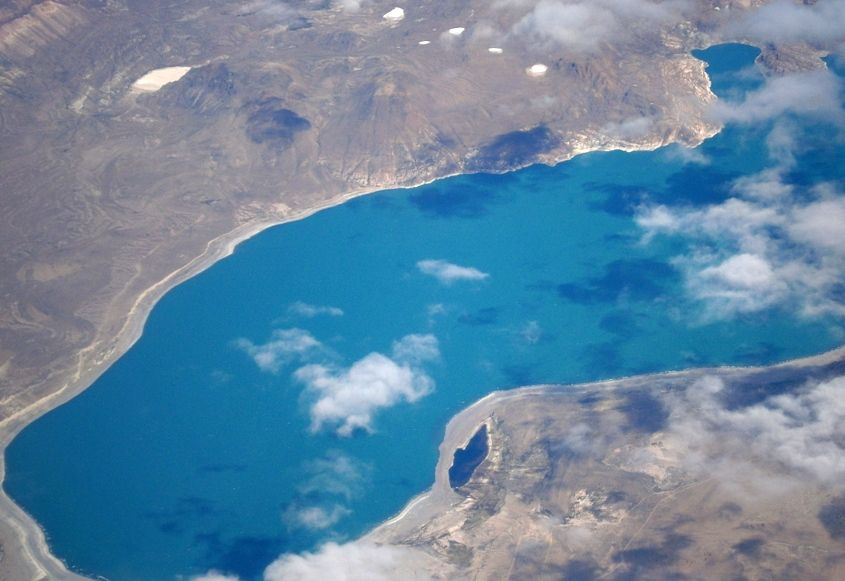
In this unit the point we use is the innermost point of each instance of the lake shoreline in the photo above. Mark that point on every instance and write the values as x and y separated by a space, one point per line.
442 497
23 537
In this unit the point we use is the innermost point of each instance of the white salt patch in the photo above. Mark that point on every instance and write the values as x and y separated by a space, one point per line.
457 31
157 78
494 50
537 70
396 14
424 42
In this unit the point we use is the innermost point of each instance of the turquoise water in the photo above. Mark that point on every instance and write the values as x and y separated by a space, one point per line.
186 456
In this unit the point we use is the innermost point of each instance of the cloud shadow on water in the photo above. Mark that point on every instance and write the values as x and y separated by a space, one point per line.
606 357
245 556
454 201
481 317
639 279
620 323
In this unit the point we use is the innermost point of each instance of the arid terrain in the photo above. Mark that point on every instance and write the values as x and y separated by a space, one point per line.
706 474
113 193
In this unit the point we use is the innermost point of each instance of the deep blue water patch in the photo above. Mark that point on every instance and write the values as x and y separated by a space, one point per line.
186 456
468 458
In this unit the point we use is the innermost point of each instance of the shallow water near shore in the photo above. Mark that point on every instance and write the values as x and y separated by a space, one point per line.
187 456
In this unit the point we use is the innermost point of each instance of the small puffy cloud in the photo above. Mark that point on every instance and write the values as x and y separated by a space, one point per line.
335 474
347 399
215 576
416 349
743 271
585 25
531 333
686 154
633 128
273 9
786 22
814 93
322 499
315 517
309 311
355 561
448 273
742 283
766 185
284 346
351 5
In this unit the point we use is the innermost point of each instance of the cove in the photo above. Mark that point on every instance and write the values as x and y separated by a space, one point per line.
187 456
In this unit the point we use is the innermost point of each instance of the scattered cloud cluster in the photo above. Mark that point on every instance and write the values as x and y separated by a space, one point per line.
347 398
584 26
308 311
801 431
772 242
783 21
284 347
750 253
448 273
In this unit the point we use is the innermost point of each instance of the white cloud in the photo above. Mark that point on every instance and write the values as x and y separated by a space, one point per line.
347 399
351 5
416 349
356 561
284 346
215 576
531 333
686 154
783 22
773 244
316 517
448 273
586 25
322 499
309 311
741 283
335 474
742 271
632 128
272 9
802 431
820 224
814 93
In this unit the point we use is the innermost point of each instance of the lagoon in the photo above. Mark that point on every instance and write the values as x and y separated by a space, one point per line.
187 455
